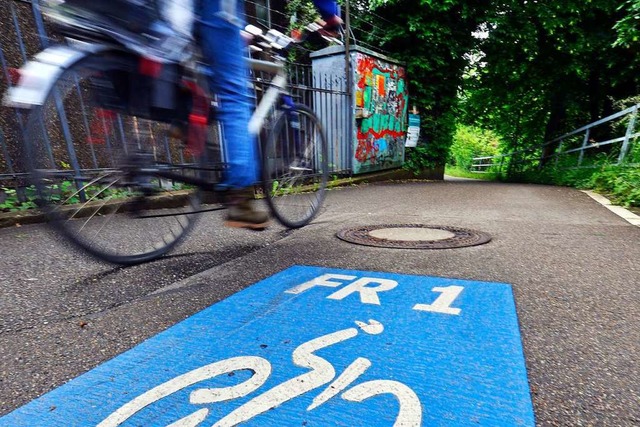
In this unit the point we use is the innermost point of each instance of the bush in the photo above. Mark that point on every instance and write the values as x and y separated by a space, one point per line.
621 184
470 142
417 159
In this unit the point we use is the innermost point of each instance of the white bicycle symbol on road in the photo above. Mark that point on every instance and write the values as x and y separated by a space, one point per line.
321 372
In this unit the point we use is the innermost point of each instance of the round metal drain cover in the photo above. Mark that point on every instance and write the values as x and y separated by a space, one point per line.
413 236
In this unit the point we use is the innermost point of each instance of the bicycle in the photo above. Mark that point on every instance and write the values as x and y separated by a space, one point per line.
121 141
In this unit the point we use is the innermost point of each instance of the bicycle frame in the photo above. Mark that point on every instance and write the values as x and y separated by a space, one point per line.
151 121
276 88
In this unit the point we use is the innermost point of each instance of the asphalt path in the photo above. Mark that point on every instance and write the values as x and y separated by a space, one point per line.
573 264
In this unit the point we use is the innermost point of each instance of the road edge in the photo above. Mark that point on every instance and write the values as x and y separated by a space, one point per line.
618 210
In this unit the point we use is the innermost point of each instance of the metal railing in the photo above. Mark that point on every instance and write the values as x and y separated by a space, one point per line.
23 34
573 146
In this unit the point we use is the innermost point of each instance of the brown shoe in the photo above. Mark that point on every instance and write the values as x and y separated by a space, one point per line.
241 214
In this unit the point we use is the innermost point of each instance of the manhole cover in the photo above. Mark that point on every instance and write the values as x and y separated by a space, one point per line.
413 236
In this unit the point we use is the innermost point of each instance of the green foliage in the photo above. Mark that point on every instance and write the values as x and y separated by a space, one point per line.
64 193
302 12
540 70
11 202
274 186
620 183
618 127
431 38
546 68
633 156
470 142
628 32
464 173
418 159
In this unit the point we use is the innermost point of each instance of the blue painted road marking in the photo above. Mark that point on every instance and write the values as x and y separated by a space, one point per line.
317 347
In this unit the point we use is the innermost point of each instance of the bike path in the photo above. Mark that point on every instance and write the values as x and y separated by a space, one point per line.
316 346
571 263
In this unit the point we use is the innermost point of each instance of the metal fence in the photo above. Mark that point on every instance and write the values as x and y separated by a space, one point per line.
25 33
610 138
327 95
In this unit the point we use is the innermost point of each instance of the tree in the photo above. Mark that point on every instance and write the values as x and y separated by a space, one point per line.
627 28
431 37
540 69
549 67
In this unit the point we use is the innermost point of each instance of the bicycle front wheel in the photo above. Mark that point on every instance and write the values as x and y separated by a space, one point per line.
295 166
86 154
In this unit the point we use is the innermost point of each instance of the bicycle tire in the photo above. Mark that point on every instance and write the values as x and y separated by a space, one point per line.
295 166
78 155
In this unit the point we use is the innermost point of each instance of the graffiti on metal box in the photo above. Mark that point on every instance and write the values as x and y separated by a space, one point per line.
381 110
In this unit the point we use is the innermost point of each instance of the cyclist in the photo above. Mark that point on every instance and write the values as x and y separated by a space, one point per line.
224 49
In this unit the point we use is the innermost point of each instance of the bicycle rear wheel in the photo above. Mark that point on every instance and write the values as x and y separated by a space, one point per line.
295 166
86 162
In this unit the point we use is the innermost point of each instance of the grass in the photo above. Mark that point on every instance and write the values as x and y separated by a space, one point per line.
463 173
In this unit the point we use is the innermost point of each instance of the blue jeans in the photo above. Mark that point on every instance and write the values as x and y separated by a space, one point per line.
223 48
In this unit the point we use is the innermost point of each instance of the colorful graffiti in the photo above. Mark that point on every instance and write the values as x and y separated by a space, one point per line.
381 110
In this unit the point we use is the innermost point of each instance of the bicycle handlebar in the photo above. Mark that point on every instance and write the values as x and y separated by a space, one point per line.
276 40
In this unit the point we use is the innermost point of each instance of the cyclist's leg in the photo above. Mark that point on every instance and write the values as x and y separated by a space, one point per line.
224 49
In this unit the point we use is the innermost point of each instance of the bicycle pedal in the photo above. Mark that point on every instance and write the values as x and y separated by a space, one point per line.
300 169
300 165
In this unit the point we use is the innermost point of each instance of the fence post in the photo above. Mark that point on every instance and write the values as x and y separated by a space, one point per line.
558 152
541 161
5 153
350 88
37 17
584 144
625 145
